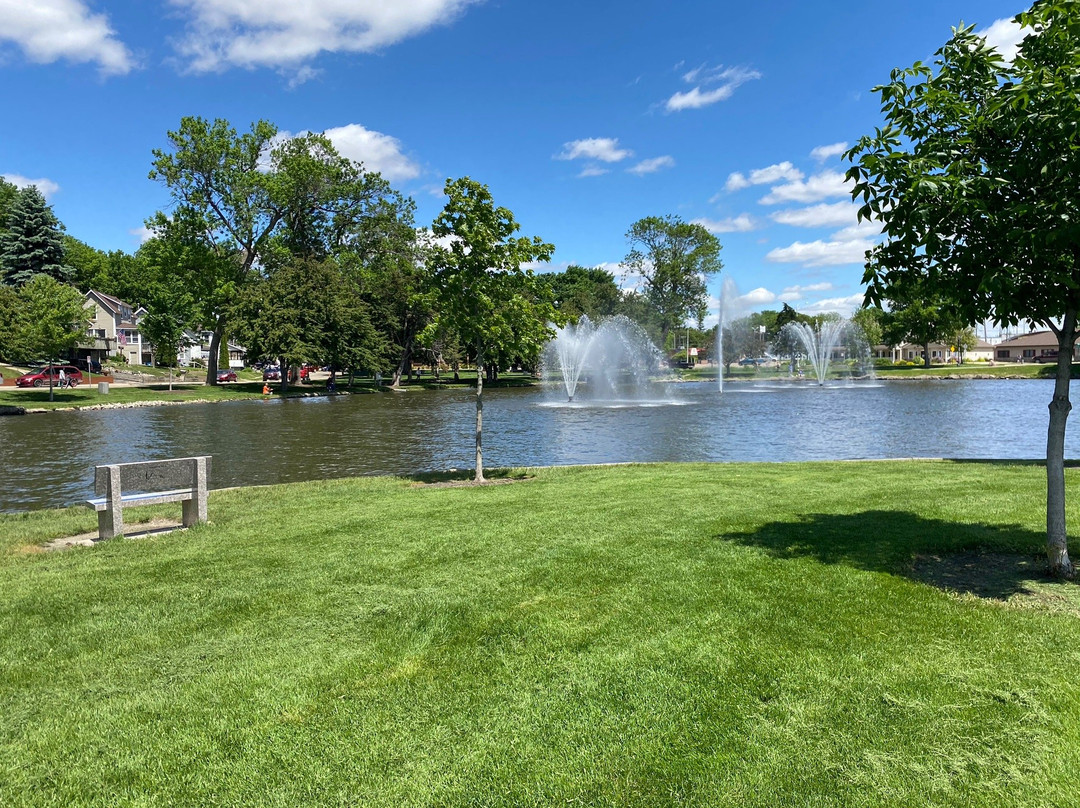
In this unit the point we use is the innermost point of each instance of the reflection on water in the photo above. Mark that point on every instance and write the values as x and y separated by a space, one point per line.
48 460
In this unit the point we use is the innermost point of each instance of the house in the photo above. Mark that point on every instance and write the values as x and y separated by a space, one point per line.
939 352
197 349
1038 346
113 330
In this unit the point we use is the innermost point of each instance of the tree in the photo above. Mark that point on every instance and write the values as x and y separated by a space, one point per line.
10 304
31 243
483 293
581 290
8 194
974 178
870 322
254 200
53 318
674 260
169 302
919 316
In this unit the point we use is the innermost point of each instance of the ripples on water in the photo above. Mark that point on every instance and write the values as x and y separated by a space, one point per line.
48 460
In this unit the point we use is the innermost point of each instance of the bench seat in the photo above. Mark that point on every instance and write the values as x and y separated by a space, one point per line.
145 498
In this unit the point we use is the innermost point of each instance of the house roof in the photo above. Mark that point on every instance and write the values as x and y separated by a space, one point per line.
1036 339
113 304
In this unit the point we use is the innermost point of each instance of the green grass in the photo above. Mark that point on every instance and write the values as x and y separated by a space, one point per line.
751 635
88 396
1028 371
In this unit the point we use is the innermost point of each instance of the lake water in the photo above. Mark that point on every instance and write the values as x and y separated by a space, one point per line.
47 460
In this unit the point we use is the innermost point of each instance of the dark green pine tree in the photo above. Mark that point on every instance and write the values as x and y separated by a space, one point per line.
31 243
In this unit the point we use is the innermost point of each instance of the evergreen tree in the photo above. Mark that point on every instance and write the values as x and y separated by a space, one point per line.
31 244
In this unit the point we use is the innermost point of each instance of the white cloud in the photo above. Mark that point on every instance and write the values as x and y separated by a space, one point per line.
48 30
763 176
652 165
45 185
1005 37
821 253
842 305
816 187
604 149
729 79
823 153
823 215
593 171
143 234
756 297
287 33
866 229
743 223
378 152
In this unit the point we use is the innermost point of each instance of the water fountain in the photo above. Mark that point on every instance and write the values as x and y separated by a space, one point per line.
729 294
614 358
821 345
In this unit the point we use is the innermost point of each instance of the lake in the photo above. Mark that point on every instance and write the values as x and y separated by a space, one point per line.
47 460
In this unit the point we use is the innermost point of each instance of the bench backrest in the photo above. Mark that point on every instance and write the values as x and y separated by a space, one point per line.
152 475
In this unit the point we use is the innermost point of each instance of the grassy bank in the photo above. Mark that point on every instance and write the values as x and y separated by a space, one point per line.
757 635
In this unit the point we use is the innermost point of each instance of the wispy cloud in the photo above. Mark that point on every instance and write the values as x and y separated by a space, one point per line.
377 151
593 171
833 214
815 188
736 181
47 187
743 223
821 253
50 30
285 33
823 153
652 165
1005 37
604 149
723 82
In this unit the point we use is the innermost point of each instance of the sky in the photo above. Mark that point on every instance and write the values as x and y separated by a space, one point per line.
581 117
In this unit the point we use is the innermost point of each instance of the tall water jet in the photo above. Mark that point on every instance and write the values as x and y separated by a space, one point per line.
729 293
822 346
614 358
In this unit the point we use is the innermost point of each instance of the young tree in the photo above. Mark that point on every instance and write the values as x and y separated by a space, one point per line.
975 177
920 317
53 318
484 295
870 321
674 260
31 243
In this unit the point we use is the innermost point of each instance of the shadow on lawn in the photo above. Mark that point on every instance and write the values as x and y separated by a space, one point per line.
988 561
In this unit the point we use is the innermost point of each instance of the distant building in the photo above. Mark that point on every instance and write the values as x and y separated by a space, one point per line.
939 352
197 350
1038 346
114 329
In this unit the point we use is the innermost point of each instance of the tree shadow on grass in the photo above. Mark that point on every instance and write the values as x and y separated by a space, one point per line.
998 562
465 476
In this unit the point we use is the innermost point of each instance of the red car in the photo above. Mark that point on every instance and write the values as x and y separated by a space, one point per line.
226 375
40 378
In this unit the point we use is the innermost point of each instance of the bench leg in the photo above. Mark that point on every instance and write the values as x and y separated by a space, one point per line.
110 522
195 509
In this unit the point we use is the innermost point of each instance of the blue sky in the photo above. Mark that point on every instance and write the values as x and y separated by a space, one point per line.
582 117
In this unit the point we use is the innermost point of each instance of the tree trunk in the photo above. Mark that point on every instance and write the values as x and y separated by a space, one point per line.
479 414
406 362
284 374
926 354
215 349
1057 548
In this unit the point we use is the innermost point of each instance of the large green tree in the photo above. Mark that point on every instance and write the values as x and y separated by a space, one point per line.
918 315
975 178
578 290
485 295
253 200
31 243
674 260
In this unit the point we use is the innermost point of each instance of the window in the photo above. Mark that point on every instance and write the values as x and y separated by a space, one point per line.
1029 353
1002 354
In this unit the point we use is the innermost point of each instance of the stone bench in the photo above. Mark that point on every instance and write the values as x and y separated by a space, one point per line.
150 482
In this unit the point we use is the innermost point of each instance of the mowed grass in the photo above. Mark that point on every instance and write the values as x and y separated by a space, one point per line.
746 634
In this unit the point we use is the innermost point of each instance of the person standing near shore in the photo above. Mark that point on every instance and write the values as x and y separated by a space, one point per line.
62 379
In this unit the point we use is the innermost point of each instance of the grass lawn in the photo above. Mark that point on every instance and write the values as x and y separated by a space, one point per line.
746 634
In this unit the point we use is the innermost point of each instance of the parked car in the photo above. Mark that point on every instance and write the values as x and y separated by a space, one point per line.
40 378
1049 356
226 375
271 374
752 360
